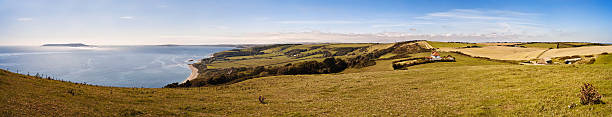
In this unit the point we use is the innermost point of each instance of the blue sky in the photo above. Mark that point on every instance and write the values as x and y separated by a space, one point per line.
134 22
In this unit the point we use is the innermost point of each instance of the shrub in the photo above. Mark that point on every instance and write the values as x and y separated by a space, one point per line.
262 100
588 95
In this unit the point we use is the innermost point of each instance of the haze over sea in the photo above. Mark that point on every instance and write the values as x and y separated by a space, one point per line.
121 66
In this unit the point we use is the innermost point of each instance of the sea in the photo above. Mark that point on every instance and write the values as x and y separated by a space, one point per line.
117 66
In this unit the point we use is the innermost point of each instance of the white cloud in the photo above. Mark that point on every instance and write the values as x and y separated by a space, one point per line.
471 14
126 17
24 19
390 25
383 37
319 22
466 21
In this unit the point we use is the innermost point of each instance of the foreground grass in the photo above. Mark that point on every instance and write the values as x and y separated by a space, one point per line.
434 90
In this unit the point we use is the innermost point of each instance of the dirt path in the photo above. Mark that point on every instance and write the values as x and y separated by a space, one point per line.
542 53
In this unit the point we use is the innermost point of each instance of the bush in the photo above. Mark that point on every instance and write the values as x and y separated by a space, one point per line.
262 100
588 95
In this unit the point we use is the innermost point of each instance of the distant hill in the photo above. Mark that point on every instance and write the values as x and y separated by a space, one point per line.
68 45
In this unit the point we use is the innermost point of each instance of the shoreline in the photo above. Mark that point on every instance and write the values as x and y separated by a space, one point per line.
194 73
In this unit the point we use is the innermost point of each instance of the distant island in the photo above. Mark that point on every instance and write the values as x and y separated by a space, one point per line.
69 45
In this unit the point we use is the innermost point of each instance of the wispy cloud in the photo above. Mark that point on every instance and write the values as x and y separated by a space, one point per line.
24 19
486 21
399 24
472 14
319 22
126 17
384 37
390 25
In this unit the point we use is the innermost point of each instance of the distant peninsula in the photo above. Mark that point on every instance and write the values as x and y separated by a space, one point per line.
69 45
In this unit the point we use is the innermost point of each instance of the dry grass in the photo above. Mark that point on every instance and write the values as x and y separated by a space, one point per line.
589 50
490 90
501 52
604 59
498 44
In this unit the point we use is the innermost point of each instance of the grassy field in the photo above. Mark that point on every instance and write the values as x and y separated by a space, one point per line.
501 52
604 59
589 50
532 50
545 45
561 45
485 90
498 44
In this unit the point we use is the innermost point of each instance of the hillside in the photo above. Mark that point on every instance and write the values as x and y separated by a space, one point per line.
429 90
467 87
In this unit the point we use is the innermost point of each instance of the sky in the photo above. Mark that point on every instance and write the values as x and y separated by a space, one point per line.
195 22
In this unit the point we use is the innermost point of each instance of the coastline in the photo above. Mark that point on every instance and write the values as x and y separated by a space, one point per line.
194 73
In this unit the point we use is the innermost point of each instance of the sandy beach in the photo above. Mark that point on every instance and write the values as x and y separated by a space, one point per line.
193 75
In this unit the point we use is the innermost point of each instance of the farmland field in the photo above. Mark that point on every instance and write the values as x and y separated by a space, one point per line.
589 50
501 52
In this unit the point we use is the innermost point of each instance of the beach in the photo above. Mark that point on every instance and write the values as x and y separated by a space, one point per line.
194 73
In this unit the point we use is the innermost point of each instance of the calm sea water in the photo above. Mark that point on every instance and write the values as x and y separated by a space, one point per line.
120 66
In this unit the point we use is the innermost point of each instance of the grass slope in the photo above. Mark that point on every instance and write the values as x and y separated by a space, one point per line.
279 56
433 90
604 59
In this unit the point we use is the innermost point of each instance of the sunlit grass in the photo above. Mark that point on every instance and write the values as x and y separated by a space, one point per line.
430 90
604 59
